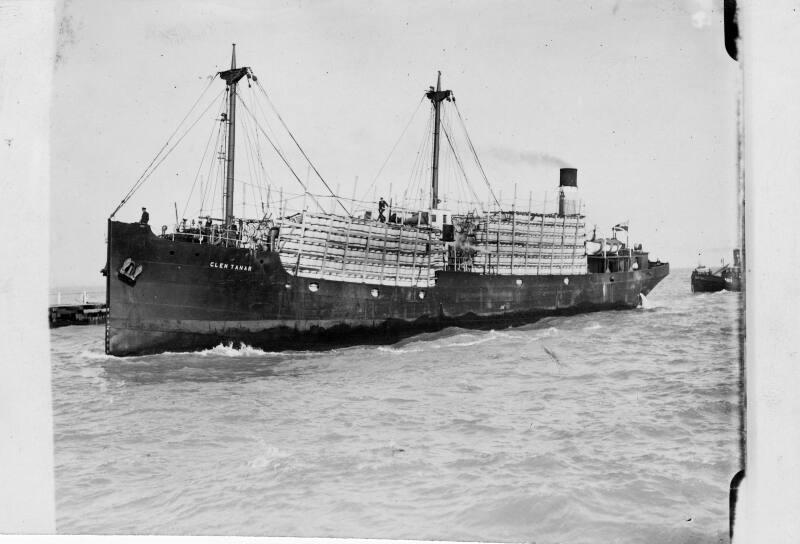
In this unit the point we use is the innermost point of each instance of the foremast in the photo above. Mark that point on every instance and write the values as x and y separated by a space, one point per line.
231 78
436 97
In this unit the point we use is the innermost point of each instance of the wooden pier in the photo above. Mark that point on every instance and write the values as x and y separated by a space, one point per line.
79 311
78 314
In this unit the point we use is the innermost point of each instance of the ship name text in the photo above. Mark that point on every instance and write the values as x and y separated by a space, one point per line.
231 266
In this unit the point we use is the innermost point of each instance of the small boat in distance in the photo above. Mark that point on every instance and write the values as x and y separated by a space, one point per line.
312 277
727 277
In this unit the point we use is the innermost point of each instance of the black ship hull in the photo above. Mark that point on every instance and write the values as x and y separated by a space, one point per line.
184 296
711 283
706 283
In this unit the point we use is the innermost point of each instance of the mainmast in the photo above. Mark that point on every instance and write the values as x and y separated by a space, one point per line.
231 78
436 97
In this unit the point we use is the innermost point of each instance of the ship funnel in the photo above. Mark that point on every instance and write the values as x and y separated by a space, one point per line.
569 177
568 203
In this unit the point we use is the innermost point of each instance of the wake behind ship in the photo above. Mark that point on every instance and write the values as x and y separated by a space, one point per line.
308 278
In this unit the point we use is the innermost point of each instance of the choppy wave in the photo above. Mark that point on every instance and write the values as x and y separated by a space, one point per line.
605 427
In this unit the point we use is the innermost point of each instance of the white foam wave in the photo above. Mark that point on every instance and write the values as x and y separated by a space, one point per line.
645 303
222 350
538 335
493 335
90 355
550 331
504 334
229 351
472 343
397 351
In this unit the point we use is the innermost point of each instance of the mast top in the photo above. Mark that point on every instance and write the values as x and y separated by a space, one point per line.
437 95
233 75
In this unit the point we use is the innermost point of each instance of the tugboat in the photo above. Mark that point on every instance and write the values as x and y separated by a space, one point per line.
313 279
727 277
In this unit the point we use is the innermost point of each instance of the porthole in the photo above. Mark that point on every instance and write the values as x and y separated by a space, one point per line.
421 295
374 293
261 261
519 282
566 281
313 287
288 285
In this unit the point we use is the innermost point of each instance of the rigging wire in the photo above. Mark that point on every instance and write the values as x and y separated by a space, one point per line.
426 166
208 173
267 179
419 164
258 84
286 162
261 176
385 162
475 154
253 143
252 170
143 177
458 161
199 167
163 158
215 165
178 142
264 116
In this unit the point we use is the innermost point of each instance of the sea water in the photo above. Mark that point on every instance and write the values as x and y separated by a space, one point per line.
619 426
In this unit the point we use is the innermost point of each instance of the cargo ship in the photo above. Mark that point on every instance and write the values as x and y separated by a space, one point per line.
727 277
315 279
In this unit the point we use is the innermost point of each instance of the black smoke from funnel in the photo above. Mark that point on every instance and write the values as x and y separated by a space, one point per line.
533 158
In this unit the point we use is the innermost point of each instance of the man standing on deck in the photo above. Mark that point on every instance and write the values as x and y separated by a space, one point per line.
145 216
381 209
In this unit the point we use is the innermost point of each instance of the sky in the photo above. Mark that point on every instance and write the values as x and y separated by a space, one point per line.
640 97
